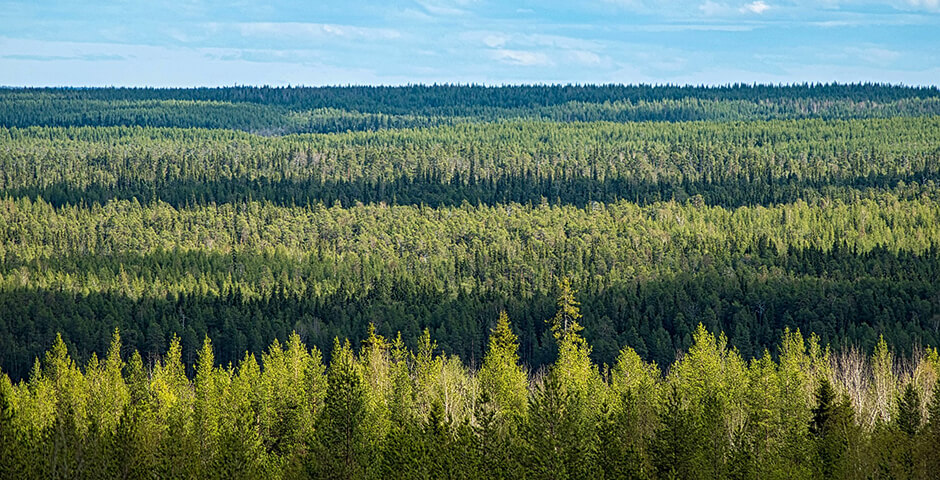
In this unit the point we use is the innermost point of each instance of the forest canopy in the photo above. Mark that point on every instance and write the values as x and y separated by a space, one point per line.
462 281
248 213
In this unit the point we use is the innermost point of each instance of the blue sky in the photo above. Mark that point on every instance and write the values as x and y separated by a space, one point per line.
210 42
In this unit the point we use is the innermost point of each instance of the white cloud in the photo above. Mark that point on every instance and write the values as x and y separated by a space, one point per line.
691 27
310 30
524 58
757 7
495 40
932 5
716 9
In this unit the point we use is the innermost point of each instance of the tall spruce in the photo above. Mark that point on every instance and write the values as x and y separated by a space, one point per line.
341 449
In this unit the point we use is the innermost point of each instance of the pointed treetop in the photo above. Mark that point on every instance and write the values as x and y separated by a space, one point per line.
565 321
502 339
374 340
909 417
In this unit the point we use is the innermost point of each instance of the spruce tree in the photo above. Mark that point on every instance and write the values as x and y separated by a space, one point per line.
341 444
501 378
671 450
908 423
909 415
831 427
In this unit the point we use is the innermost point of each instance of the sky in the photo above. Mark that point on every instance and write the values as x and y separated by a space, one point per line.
184 43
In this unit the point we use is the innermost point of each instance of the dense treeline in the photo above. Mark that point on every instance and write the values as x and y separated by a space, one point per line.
422 98
248 273
720 164
339 109
383 410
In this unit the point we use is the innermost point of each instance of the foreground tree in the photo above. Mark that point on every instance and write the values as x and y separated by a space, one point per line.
341 445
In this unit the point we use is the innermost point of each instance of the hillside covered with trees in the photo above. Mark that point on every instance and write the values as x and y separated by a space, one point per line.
335 269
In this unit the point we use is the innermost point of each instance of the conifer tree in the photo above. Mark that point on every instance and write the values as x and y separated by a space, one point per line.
341 444
671 449
207 406
376 369
10 448
558 439
502 380
494 448
831 427
565 321
908 424
909 414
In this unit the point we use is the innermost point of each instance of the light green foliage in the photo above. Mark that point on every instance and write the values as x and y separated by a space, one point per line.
712 370
376 365
711 416
427 368
884 387
636 392
502 379
565 322
573 370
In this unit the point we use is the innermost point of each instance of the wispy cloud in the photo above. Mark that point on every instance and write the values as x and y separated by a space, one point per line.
584 57
445 7
55 58
523 58
186 42
711 9
311 30
757 7
931 5
876 55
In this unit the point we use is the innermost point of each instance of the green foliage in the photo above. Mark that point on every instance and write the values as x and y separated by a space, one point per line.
909 411
624 229
832 428
559 438
503 382
341 446
288 416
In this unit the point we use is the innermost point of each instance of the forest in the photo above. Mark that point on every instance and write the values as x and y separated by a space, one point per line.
455 281
382 410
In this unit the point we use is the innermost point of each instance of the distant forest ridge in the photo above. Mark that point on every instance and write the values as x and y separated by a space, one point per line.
285 110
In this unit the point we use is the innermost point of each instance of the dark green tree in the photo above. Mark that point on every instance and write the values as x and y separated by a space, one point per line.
830 427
